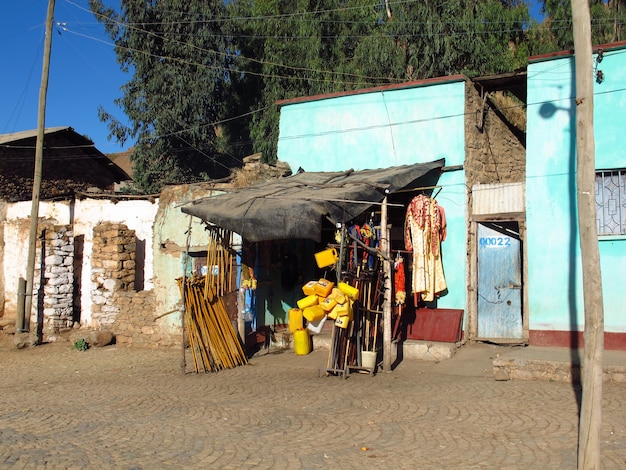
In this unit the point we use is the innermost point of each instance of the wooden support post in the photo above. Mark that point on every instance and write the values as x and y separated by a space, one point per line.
384 248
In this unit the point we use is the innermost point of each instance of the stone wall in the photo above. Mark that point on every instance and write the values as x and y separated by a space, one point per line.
495 148
130 314
112 270
55 285
137 323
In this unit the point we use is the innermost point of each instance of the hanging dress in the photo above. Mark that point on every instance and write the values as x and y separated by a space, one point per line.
424 231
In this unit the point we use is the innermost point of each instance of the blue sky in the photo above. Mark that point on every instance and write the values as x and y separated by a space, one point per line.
84 73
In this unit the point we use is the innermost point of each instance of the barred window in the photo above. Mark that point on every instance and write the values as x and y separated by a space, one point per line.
611 202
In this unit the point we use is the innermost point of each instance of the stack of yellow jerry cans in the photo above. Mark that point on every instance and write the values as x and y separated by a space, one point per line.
321 299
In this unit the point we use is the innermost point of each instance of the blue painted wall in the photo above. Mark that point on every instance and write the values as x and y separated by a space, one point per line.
555 289
378 129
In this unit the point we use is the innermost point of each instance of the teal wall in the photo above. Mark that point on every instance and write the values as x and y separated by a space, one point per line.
381 129
375 130
555 289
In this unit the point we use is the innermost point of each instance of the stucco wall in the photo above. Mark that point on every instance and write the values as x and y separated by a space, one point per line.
172 233
554 264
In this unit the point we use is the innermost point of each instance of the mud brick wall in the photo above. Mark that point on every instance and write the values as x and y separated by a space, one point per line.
116 305
55 286
137 324
112 270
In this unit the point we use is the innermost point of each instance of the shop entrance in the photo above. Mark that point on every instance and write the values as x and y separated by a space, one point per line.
499 281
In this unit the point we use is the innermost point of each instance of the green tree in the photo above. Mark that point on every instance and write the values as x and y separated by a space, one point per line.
607 22
295 48
299 48
179 60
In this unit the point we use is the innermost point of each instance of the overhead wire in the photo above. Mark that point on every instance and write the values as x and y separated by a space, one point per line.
236 70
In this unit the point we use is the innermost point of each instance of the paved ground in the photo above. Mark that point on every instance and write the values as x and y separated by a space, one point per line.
124 408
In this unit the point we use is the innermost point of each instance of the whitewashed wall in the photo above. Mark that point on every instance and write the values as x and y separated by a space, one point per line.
137 215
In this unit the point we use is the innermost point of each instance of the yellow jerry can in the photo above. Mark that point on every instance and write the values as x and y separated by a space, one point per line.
348 290
313 313
309 288
328 304
308 301
342 322
326 258
295 319
301 342
324 287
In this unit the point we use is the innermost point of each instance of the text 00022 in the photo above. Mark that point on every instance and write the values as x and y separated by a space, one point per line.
495 242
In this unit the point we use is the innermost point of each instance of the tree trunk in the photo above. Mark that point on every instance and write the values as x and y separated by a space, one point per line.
591 405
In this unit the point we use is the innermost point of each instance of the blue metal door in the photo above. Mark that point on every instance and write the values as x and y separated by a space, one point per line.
499 282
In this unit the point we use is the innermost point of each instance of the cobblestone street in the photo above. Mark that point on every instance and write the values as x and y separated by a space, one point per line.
132 408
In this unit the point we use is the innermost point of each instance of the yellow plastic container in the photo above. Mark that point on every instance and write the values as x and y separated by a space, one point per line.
301 342
342 322
313 313
295 319
326 258
351 292
308 301
328 304
323 287
344 310
338 296
309 288
334 313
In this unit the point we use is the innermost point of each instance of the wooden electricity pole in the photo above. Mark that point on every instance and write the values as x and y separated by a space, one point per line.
591 405
34 213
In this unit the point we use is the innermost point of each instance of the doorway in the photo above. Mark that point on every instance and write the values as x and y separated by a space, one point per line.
499 290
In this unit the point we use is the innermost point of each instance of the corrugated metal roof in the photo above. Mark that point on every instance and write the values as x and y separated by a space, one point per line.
498 198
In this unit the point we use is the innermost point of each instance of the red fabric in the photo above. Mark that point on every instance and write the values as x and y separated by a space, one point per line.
400 282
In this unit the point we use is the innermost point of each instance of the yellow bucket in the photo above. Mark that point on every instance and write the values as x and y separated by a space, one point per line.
295 319
326 258
301 342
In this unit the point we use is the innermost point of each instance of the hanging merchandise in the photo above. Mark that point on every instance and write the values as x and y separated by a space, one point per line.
248 285
368 237
353 258
425 229
399 281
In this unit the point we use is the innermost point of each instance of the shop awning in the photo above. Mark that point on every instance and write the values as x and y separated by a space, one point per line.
294 207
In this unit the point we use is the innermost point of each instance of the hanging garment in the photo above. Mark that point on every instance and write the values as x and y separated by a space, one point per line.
399 281
423 234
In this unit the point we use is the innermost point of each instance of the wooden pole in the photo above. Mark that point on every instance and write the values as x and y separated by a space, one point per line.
183 312
384 248
591 405
34 212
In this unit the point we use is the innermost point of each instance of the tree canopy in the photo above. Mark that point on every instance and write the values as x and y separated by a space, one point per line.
206 74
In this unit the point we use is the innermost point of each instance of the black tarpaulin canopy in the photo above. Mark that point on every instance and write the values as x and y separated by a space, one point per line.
293 207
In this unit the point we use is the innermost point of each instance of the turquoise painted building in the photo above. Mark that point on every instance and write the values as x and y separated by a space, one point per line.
415 122
555 288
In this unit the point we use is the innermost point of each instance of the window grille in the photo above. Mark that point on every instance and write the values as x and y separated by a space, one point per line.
611 202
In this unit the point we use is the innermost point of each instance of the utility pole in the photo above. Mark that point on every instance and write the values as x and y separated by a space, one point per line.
34 213
591 406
